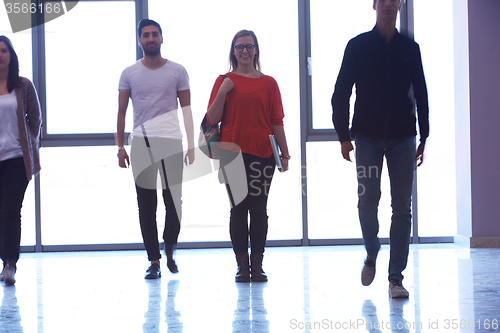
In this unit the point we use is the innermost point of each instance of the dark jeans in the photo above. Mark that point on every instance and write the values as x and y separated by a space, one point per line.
259 174
400 157
168 153
13 184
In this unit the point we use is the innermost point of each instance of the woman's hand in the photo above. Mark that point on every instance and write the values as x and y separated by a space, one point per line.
226 86
284 164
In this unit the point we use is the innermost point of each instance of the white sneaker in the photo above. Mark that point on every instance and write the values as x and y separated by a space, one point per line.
368 272
396 289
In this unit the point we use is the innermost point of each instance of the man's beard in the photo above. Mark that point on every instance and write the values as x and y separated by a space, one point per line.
153 52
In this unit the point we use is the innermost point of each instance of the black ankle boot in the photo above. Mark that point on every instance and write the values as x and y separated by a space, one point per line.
258 274
243 274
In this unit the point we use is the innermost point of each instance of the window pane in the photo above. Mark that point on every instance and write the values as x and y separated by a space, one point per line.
437 176
28 216
205 55
333 24
86 51
22 45
339 22
86 198
332 209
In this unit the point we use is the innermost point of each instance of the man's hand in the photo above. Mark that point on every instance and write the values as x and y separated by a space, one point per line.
419 155
189 158
346 147
123 160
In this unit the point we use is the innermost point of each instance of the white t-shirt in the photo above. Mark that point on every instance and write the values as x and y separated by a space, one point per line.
154 97
10 141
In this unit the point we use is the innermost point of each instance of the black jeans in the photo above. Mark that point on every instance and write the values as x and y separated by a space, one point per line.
259 174
13 184
168 153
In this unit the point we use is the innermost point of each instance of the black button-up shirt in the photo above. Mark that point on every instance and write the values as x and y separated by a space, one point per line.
389 79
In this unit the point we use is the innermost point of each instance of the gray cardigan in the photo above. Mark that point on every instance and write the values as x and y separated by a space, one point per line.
29 120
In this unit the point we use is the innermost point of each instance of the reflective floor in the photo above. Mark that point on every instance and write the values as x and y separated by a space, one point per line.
310 289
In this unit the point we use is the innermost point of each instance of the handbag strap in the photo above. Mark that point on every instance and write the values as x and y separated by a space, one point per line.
224 76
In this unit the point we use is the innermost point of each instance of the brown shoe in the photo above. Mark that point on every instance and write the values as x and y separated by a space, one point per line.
396 289
8 274
368 272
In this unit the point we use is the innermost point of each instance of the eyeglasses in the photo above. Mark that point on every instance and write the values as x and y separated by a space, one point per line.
240 47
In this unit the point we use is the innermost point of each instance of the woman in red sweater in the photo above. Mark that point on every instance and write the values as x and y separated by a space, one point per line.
248 105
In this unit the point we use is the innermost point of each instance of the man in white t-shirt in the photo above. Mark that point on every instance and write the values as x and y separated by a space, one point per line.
155 86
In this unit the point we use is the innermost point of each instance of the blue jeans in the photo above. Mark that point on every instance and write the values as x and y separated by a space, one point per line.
400 157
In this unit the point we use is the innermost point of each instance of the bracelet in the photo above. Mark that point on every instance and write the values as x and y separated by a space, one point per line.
121 148
285 156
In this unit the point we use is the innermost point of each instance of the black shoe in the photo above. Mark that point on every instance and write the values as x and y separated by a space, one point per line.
243 274
169 252
172 267
153 272
258 274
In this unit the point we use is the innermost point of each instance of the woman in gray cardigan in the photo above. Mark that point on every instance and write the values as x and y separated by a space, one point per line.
19 156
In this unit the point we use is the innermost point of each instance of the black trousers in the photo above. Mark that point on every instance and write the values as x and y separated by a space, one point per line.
259 174
13 184
169 157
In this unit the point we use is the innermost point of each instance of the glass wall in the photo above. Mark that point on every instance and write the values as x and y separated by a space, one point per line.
87 199
436 177
200 40
332 198
333 24
86 51
21 42
332 184
22 45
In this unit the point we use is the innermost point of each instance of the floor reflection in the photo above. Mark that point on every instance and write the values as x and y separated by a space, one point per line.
369 313
172 316
250 314
10 317
452 289
397 322
152 315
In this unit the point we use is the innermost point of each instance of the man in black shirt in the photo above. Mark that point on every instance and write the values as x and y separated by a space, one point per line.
386 68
